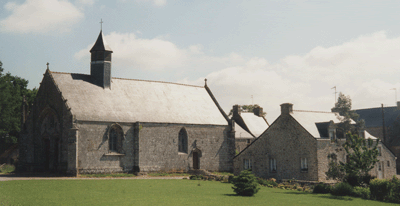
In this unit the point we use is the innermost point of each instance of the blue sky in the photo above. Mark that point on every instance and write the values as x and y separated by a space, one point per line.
277 51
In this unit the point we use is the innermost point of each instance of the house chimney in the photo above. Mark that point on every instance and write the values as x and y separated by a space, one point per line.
236 110
258 111
286 108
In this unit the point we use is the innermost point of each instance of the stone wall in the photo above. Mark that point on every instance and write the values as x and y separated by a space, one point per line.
94 155
242 143
158 147
152 147
32 138
287 142
327 148
386 167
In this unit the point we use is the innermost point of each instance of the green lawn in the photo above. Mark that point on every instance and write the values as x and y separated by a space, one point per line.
154 192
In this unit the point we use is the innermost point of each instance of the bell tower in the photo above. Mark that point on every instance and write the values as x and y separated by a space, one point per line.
100 65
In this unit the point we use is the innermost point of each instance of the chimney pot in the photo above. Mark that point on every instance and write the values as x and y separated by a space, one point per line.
286 108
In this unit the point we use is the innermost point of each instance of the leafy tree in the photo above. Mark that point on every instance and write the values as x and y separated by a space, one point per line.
12 91
247 108
245 184
346 115
363 155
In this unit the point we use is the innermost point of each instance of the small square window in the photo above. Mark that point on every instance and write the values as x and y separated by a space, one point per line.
246 164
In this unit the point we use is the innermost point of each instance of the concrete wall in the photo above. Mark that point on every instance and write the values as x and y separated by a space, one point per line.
287 142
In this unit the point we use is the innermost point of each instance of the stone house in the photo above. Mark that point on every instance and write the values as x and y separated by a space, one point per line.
97 123
384 123
248 126
300 145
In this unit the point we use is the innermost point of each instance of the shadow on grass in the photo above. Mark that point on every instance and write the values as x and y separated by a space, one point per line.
328 196
345 198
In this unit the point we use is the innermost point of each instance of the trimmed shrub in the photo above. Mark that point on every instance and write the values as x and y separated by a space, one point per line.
322 188
380 189
362 192
265 182
342 189
5 168
395 190
196 177
245 184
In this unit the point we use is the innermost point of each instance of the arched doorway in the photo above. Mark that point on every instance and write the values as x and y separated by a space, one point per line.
50 136
196 154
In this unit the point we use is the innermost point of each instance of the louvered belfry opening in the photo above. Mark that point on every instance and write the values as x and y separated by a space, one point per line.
100 66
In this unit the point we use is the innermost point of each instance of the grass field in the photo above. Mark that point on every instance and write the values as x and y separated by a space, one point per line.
154 192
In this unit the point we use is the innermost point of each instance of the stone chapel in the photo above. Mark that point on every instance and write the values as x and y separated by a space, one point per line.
96 123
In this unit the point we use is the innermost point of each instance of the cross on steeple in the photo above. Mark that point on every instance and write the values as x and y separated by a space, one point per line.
101 24
47 65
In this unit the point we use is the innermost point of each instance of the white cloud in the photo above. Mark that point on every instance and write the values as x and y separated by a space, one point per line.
40 16
85 2
146 54
366 68
158 3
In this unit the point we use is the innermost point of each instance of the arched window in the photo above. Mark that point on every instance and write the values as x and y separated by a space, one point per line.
115 138
183 141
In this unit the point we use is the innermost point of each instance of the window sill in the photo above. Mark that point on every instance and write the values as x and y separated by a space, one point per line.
273 171
182 153
303 171
114 154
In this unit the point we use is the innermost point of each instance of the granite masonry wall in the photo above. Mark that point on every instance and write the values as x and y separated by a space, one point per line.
152 147
158 147
242 143
286 142
44 147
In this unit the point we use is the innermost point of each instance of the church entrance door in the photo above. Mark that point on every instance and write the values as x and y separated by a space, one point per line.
196 165
47 154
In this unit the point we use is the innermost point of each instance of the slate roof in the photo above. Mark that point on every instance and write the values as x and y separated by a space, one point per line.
309 119
101 44
256 124
131 100
373 116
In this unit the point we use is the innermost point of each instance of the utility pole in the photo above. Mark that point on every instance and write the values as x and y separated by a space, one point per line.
395 95
383 125
335 93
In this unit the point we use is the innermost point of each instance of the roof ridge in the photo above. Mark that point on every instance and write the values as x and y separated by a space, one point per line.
143 80
391 107
135 79
67 73
314 111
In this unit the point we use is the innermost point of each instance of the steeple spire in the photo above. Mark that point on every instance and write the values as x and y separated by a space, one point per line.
100 67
